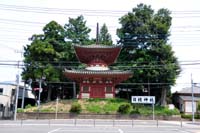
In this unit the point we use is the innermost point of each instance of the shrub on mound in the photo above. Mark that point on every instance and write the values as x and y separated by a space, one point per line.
75 108
124 108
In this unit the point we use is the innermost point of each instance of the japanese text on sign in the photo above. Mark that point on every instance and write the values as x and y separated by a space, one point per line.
143 99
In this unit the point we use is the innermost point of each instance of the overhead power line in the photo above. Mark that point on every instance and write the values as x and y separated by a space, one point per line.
77 62
110 13
92 12
62 64
7 46
24 23
20 21
124 62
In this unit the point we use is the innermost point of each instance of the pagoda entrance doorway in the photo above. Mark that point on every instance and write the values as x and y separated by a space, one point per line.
97 92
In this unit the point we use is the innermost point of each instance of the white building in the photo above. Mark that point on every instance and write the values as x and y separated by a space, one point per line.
183 99
186 104
7 98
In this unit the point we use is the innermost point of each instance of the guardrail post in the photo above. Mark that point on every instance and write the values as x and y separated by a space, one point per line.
157 122
181 123
132 122
21 122
94 123
49 123
74 122
113 122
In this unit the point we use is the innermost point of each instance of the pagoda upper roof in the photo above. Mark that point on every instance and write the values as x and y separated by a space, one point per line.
103 53
98 46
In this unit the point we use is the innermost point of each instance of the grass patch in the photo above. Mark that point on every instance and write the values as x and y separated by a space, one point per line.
186 116
103 106
93 108
148 110
110 108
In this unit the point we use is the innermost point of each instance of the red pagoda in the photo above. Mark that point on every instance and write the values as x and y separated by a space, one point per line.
97 80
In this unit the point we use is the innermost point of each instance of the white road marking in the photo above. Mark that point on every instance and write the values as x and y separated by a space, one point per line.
88 131
183 131
120 131
54 130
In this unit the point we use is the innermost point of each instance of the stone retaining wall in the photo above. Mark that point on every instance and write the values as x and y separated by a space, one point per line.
91 116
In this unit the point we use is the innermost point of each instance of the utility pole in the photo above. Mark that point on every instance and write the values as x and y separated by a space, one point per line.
16 94
40 89
149 93
56 108
192 99
74 90
17 88
42 78
23 95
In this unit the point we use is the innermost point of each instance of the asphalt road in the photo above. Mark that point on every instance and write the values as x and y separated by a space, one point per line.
97 126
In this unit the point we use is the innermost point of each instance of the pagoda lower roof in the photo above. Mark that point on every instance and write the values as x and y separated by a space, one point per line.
115 75
81 75
103 72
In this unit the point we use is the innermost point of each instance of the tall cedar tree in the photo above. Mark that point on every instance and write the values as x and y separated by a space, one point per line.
104 37
50 51
77 32
44 55
144 35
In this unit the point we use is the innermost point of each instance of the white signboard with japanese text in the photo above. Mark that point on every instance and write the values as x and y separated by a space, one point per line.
143 99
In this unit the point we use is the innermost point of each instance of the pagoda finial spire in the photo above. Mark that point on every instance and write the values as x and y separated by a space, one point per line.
97 34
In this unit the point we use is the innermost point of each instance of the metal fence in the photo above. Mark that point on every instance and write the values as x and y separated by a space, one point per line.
94 123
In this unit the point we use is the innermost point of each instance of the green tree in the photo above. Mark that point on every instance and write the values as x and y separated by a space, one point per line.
44 55
76 31
144 35
104 37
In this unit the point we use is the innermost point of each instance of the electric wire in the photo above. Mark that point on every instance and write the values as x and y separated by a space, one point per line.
113 13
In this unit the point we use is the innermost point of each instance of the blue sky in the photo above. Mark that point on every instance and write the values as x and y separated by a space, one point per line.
18 23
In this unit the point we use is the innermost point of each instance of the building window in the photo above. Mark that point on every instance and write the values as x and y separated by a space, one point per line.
108 89
1 91
13 92
85 89
1 107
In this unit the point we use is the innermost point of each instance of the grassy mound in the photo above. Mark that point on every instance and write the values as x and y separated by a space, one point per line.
100 106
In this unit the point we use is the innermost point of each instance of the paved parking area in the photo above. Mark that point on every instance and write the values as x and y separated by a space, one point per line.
97 126
43 129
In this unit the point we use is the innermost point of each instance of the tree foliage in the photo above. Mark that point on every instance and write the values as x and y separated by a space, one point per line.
76 31
44 53
144 35
52 51
104 37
